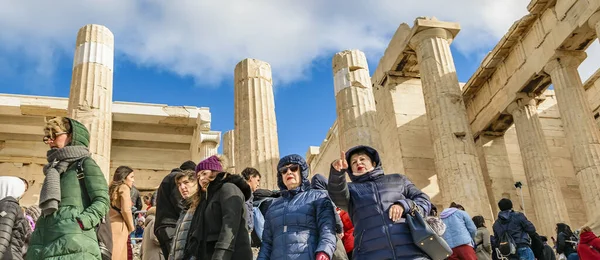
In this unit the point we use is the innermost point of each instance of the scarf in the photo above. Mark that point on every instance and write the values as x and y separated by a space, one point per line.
59 160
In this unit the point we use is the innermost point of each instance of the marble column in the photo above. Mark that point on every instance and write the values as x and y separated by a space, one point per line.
459 173
355 104
209 144
90 97
581 130
256 141
594 22
548 202
229 150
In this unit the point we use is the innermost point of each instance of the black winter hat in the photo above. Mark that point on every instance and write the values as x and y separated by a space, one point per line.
188 165
505 204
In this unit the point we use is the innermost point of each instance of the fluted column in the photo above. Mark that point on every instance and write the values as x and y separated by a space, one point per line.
548 201
459 172
209 143
581 130
256 141
355 104
90 97
229 150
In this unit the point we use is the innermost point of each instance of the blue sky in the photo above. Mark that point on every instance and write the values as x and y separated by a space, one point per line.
185 54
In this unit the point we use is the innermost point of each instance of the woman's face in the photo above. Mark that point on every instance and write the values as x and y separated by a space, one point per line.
290 175
361 164
58 140
130 179
205 177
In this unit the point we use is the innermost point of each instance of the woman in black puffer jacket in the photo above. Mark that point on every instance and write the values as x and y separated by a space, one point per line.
13 225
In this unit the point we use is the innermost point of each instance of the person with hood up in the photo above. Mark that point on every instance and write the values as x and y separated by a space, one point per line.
218 229
13 225
567 241
150 249
377 204
169 207
517 226
66 229
319 182
589 245
301 223
188 186
460 232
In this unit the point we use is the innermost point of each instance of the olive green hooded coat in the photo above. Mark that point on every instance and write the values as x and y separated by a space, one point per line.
59 236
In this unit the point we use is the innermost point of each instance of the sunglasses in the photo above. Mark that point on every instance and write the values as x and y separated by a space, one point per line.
293 168
52 136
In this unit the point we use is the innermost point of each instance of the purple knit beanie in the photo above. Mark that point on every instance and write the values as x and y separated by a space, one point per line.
211 163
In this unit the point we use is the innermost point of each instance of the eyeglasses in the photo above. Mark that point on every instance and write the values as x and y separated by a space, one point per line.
52 137
293 168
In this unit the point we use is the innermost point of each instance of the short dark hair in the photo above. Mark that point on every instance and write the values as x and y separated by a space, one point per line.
191 174
479 221
250 172
505 204
188 165
456 205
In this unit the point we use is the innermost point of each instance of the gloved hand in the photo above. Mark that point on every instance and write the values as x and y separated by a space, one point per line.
322 256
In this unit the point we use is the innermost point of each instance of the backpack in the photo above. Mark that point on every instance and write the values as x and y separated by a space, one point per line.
103 230
506 244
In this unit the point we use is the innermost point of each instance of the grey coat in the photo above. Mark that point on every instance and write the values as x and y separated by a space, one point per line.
484 246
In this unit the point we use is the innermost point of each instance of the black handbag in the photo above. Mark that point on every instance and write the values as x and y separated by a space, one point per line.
425 238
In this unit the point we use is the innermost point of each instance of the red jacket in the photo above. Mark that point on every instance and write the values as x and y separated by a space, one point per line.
589 246
348 238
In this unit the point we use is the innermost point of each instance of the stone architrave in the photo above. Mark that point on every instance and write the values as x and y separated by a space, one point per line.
594 22
256 141
209 144
581 130
355 104
459 173
229 150
90 97
548 201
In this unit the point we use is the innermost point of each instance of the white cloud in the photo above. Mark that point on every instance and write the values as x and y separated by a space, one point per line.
205 39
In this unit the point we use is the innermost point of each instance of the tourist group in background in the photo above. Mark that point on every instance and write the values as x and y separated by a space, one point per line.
201 211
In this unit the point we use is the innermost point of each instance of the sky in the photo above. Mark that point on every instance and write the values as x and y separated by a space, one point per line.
184 52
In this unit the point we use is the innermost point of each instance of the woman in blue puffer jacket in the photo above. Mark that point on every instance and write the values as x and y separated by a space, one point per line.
301 223
377 205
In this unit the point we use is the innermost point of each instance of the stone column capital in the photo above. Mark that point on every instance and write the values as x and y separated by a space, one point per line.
210 136
522 100
565 59
594 19
419 37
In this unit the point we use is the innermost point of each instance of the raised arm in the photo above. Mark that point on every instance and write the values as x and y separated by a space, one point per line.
338 186
97 190
232 209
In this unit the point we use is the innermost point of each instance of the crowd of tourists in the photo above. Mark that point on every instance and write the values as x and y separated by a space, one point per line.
201 211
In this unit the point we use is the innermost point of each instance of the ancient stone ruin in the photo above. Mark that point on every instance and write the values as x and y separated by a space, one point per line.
464 142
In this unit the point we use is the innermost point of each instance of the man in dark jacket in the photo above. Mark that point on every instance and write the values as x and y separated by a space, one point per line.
169 207
377 203
517 226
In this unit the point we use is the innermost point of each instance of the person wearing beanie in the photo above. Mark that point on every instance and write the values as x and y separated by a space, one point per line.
169 207
218 229
518 227
378 203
